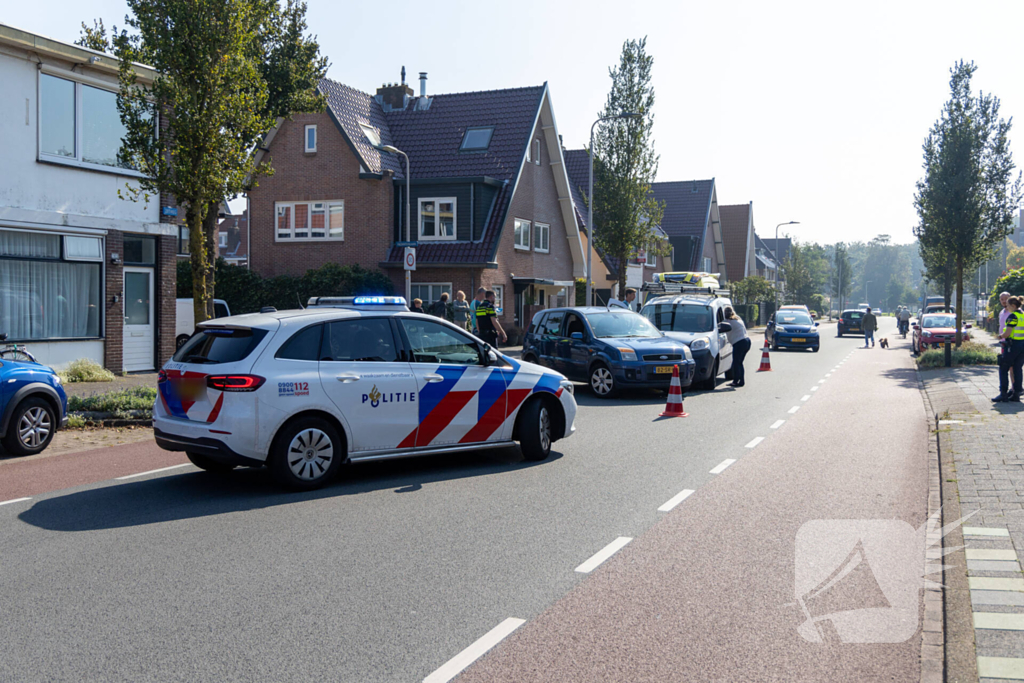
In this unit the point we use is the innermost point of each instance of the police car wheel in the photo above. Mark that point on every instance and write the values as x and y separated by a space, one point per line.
306 454
602 382
209 464
535 430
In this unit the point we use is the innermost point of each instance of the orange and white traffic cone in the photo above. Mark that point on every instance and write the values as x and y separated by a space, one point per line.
766 363
674 405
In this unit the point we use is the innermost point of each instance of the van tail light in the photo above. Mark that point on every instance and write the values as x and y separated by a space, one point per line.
235 382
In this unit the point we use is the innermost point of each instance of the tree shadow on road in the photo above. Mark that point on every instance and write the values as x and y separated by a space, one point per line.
905 377
203 494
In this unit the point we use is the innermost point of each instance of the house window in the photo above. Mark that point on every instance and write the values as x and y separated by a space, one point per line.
371 134
222 239
310 138
541 240
437 218
310 221
183 240
499 298
83 248
536 151
707 264
79 124
139 250
477 139
522 234
652 259
430 292
46 291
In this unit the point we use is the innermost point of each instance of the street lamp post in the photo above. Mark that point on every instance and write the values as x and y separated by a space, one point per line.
866 299
590 198
408 210
778 262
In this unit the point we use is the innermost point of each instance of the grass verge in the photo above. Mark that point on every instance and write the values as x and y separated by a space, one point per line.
969 353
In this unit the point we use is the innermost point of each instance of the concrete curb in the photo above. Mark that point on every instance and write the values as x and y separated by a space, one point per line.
933 658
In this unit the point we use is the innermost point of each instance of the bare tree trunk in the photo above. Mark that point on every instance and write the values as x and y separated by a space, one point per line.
197 259
210 234
959 300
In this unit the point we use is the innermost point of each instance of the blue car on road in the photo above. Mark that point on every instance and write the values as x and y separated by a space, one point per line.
608 348
33 406
792 329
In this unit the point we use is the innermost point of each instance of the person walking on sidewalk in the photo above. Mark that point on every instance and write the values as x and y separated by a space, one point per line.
1012 357
740 345
869 324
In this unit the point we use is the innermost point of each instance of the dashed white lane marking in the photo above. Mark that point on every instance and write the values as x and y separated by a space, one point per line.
794 409
828 374
454 666
999 621
675 500
753 442
806 398
778 423
815 388
13 500
1011 668
720 467
603 554
821 381
162 469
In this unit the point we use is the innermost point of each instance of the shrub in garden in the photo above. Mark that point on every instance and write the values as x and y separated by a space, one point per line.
969 353
85 370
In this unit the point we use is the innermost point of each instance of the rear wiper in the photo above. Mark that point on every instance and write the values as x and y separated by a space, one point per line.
199 359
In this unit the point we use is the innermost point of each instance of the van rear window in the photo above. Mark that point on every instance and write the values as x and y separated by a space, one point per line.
219 345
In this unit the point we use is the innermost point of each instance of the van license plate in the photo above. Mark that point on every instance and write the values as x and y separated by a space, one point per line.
663 370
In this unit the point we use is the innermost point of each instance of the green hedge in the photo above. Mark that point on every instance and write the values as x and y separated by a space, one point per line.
246 291
969 353
749 313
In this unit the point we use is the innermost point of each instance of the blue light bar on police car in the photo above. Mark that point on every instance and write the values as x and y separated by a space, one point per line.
379 300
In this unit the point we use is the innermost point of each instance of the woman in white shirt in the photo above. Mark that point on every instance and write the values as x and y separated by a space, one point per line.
740 345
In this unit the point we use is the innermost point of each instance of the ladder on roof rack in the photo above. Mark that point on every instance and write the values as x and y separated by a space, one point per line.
681 288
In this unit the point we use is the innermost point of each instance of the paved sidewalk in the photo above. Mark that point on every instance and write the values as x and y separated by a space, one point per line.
983 473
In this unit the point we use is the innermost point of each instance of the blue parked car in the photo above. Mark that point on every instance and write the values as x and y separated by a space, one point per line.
33 406
792 329
608 348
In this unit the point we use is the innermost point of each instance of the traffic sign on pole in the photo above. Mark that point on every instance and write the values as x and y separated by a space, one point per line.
410 258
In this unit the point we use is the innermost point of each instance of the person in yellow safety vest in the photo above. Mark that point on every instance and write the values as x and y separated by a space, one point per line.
1012 357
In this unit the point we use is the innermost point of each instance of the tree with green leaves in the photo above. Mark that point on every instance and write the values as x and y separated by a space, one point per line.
95 37
228 70
625 164
967 197
751 290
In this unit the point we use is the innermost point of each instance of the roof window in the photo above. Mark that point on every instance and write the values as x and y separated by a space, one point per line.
371 134
477 139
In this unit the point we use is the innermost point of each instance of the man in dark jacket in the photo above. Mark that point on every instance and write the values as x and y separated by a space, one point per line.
440 308
869 324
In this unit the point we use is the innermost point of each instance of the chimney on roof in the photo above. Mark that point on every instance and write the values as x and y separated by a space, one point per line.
423 84
394 96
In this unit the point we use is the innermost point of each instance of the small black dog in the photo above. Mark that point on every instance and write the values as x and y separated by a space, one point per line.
883 342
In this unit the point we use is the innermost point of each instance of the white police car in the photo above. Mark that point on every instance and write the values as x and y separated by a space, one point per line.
306 391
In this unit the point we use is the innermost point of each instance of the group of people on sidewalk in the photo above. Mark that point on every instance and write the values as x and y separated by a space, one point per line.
1011 351
479 316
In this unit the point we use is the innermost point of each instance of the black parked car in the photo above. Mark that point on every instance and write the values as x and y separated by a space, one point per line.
609 348
850 322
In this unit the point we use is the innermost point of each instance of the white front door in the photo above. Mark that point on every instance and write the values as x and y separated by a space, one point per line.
138 344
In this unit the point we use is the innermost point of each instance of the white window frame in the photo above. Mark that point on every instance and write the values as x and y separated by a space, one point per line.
650 260
222 240
536 151
305 138
370 133
327 204
98 258
529 153
499 298
445 287
183 238
707 264
521 226
79 80
437 224
545 229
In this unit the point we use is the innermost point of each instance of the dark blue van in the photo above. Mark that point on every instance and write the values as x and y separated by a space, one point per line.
608 348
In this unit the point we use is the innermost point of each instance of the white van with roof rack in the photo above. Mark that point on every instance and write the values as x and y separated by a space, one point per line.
694 315
307 391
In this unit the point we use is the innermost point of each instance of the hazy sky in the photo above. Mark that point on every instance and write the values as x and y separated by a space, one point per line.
815 111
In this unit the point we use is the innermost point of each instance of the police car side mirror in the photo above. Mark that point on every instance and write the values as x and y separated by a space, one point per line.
724 327
578 336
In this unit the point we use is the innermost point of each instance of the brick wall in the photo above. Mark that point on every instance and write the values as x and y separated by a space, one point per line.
113 324
332 172
165 282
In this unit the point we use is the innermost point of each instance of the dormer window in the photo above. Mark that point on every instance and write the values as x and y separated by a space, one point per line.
310 138
477 139
371 134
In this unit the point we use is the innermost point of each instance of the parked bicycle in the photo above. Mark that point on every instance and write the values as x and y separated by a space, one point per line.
15 351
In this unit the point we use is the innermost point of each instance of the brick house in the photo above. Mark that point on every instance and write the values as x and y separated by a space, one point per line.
490 198
738 235
766 265
83 273
606 281
233 238
693 225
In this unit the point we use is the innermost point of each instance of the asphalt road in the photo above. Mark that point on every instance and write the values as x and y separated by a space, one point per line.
391 572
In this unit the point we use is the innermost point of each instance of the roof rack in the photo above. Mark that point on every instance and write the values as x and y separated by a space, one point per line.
681 288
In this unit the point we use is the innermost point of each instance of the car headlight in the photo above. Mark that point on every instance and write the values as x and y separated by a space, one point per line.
926 334
699 344
627 354
567 385
780 328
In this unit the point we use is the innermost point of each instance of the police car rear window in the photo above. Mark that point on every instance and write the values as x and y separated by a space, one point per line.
219 345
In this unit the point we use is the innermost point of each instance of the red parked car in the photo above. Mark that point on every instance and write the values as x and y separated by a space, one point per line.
935 329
